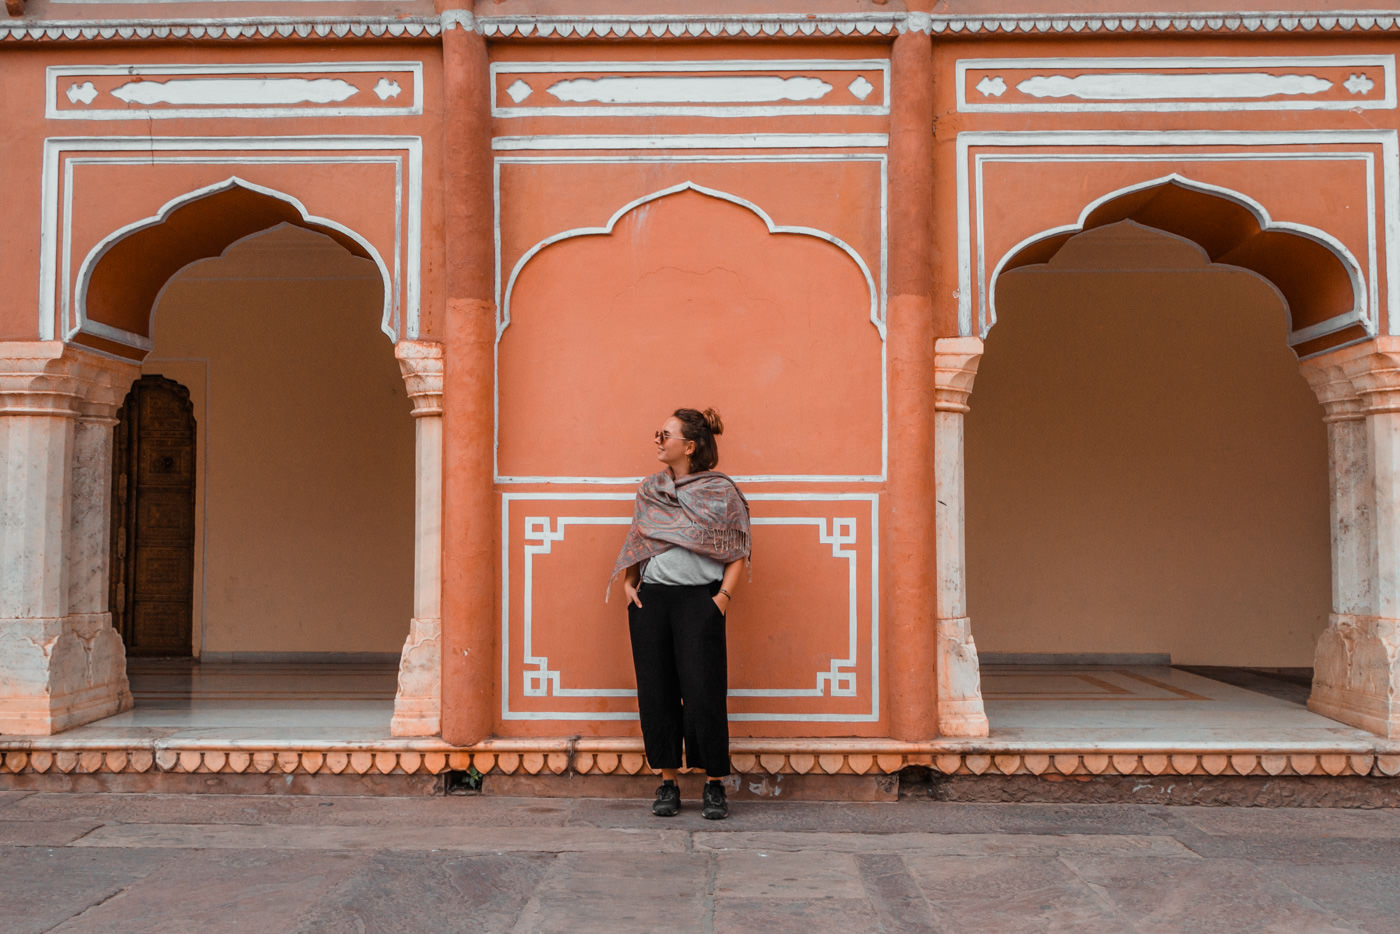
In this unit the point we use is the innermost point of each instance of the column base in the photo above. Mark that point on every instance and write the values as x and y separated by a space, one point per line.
60 673
418 703
1356 673
959 677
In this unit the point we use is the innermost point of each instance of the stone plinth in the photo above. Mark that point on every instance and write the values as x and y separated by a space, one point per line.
61 662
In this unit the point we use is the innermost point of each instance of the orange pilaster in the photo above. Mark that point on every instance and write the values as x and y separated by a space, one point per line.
911 646
469 541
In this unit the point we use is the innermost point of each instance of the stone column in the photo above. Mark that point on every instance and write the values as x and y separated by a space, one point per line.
418 703
910 650
960 710
1356 671
61 662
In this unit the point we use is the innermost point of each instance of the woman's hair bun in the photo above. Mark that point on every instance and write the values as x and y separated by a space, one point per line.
712 419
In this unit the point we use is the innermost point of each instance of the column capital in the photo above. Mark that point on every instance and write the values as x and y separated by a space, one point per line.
420 362
1373 367
1334 389
955 362
54 378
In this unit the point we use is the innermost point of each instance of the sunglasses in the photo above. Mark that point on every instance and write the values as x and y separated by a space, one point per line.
661 437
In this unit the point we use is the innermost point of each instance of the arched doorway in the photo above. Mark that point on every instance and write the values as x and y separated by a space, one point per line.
1146 467
153 519
304 510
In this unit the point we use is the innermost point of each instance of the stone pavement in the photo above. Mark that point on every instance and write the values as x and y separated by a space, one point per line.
114 862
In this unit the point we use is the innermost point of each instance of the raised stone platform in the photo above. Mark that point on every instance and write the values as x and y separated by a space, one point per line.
325 729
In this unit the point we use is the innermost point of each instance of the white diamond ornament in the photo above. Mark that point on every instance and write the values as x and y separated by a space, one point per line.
860 87
519 91
386 89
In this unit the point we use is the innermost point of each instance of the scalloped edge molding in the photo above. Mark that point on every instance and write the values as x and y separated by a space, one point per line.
796 25
623 757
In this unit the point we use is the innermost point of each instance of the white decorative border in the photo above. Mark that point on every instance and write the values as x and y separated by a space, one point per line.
838 681
648 68
967 105
56 299
738 26
695 141
57 73
1155 148
878 294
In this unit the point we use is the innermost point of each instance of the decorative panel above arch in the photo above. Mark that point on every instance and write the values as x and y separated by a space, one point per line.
118 193
1307 211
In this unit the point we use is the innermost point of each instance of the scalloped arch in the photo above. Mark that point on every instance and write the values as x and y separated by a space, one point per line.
121 278
1318 279
876 310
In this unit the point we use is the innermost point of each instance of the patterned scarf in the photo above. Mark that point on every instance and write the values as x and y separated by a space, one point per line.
702 512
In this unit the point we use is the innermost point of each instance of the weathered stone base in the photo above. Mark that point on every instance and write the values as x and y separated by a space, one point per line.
418 703
171 783
1348 791
1355 673
960 708
748 786
60 673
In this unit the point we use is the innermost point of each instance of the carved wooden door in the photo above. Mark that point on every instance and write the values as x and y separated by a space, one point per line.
152 585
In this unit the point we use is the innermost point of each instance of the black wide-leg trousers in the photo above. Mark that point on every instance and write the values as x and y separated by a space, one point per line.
678 649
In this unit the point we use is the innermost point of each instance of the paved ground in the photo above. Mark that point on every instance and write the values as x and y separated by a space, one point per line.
186 863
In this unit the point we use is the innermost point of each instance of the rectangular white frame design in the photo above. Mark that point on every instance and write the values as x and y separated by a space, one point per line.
832 677
56 298
967 105
691 110
881 294
55 74
1155 147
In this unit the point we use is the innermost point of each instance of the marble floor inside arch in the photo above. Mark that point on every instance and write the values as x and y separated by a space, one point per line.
1089 719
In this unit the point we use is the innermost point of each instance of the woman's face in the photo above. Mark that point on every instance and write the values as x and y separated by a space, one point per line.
671 447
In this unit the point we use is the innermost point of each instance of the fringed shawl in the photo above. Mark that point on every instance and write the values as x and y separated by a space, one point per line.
702 512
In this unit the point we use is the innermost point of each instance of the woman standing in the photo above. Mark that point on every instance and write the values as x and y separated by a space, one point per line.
681 565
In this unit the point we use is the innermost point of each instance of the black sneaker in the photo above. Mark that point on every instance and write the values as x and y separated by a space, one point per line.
714 805
668 800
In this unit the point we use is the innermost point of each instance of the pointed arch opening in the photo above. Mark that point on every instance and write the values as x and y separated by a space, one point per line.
121 280
1318 280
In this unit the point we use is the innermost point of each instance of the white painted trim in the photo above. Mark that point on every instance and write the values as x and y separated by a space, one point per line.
721 27
695 141
969 104
875 308
878 317
546 535
405 153
116 335
58 73
1157 147
855 66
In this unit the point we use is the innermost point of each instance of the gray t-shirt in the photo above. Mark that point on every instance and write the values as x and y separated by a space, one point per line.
679 566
